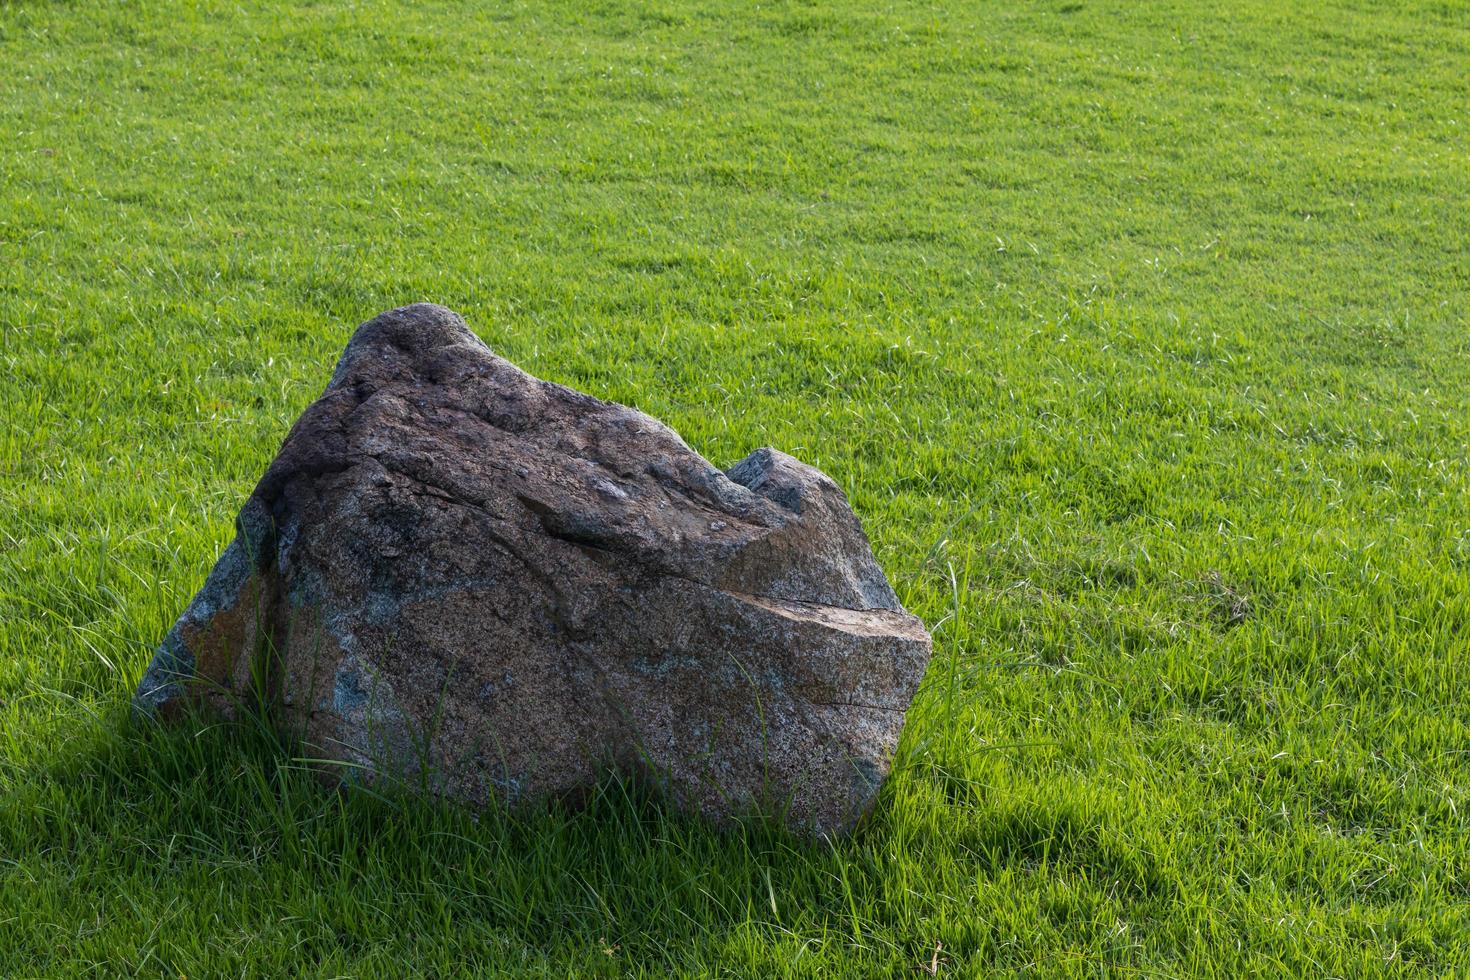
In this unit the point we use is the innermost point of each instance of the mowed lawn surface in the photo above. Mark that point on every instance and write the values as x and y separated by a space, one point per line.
1137 334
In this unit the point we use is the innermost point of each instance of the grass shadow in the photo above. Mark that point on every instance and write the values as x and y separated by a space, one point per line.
127 817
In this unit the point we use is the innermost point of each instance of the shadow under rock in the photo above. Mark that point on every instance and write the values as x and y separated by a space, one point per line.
221 818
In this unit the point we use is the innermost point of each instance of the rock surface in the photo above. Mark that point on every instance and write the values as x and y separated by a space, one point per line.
503 587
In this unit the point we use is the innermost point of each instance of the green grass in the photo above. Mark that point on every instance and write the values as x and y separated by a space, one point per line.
1136 332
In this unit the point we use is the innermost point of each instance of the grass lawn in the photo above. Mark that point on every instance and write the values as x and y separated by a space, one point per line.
1136 332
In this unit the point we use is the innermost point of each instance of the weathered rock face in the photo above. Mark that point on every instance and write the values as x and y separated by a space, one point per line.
504 587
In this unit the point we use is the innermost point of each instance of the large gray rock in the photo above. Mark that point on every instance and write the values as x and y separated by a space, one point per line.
502 587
